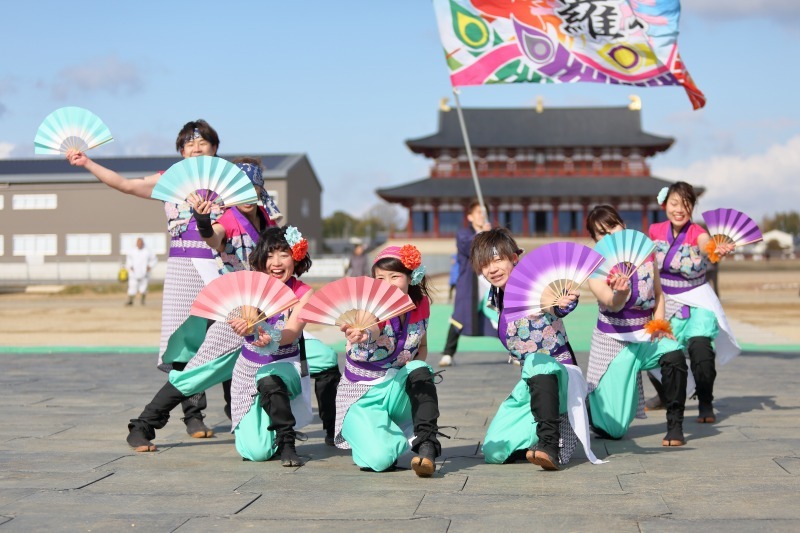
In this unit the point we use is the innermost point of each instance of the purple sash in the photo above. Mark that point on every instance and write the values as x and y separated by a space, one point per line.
627 319
672 283
260 359
190 244
244 223
369 370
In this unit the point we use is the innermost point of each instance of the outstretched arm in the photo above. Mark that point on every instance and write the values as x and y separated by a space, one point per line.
141 187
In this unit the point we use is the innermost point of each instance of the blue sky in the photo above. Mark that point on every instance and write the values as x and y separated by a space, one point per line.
348 82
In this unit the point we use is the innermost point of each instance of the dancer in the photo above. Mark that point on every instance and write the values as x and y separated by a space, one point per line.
191 264
694 311
469 315
271 389
622 348
387 393
233 235
544 416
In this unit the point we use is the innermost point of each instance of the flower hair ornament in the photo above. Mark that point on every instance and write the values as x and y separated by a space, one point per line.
411 258
662 195
296 241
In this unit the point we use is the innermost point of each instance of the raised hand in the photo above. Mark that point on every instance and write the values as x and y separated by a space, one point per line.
240 326
76 158
354 335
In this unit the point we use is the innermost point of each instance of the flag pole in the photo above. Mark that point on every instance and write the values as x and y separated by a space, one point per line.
469 152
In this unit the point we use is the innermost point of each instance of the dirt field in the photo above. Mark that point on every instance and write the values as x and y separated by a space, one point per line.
765 295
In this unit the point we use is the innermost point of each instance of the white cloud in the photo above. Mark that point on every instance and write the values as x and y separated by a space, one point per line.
759 184
6 150
107 74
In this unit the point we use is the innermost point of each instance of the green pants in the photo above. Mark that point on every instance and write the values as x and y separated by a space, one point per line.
253 440
701 323
196 380
614 402
377 426
513 427
319 356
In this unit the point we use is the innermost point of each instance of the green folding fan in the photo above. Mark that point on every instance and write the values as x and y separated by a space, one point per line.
70 128
624 252
211 178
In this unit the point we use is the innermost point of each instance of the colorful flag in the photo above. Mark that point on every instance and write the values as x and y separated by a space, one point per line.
627 42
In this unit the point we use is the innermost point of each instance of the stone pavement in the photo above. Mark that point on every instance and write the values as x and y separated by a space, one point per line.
64 463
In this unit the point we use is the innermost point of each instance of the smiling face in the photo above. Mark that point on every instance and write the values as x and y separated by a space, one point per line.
280 265
498 270
197 147
398 279
678 212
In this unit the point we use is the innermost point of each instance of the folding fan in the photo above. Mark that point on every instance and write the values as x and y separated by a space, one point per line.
729 226
70 128
253 296
624 252
545 275
359 302
211 178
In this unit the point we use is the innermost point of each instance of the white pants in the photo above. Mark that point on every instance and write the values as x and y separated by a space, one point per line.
137 285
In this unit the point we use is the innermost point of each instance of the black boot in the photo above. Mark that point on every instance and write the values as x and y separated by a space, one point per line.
226 393
701 355
325 384
274 399
425 414
193 416
674 373
155 416
450 346
544 406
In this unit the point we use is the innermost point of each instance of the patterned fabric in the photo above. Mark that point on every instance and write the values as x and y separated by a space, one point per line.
220 340
568 441
688 262
603 350
600 41
179 217
182 284
240 240
543 333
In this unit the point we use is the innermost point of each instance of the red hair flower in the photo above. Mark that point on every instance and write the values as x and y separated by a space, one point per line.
410 257
300 250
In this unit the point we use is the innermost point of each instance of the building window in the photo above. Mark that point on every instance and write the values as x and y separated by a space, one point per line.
34 201
422 222
305 210
88 244
155 241
631 218
569 223
450 221
540 222
35 245
511 220
657 215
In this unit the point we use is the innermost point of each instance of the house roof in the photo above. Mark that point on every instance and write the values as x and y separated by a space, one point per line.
57 170
538 187
553 127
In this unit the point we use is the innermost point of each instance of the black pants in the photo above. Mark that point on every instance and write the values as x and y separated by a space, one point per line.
325 385
451 345
193 406
424 408
701 356
545 410
156 413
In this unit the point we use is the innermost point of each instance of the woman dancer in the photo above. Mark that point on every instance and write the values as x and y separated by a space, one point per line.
621 346
270 388
387 390
544 416
191 264
692 307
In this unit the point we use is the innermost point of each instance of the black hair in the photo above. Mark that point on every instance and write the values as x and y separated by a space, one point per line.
602 216
415 292
274 239
484 245
685 192
187 132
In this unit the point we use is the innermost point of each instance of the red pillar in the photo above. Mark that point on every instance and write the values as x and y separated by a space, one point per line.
526 225
436 219
645 218
555 204
410 223
495 218
585 233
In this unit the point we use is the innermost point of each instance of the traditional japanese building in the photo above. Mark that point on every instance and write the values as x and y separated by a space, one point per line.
540 170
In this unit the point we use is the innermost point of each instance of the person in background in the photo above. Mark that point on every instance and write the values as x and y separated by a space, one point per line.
357 264
139 262
467 319
453 277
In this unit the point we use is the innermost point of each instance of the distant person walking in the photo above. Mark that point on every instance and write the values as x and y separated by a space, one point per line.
139 262
357 265
468 312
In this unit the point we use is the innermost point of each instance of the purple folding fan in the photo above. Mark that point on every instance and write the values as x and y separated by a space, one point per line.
545 275
732 227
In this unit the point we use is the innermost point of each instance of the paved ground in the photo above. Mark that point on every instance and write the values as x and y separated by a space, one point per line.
65 464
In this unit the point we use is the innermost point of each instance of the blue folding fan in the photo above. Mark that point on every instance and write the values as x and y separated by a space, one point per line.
70 128
624 252
211 178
